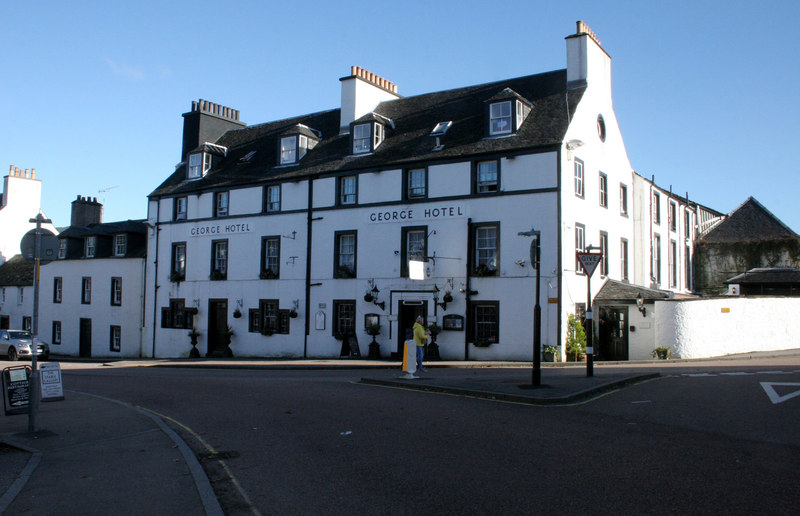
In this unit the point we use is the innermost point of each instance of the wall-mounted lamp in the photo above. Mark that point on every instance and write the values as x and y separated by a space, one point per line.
640 305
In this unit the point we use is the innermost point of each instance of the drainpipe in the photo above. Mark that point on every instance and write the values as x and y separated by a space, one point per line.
309 223
468 288
157 230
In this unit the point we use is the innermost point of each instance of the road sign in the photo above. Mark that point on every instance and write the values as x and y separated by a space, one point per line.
589 261
49 249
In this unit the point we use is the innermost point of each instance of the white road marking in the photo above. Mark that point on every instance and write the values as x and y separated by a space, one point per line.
776 398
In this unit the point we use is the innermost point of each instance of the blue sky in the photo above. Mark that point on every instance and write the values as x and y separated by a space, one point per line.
93 92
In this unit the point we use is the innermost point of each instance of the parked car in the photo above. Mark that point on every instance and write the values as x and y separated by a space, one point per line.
16 344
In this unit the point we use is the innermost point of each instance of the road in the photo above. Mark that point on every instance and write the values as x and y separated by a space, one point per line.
709 438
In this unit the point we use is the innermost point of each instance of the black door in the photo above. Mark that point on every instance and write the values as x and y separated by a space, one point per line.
4 322
613 333
409 310
218 339
85 338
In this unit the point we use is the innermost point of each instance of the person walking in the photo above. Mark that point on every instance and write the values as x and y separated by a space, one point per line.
420 338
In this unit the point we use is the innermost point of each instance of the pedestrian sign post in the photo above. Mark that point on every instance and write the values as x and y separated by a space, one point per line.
589 261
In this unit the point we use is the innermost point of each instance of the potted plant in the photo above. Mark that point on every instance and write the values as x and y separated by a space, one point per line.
216 275
373 329
268 274
227 333
293 313
484 270
237 314
343 272
551 354
368 297
193 336
662 353
482 342
432 349
576 339
448 297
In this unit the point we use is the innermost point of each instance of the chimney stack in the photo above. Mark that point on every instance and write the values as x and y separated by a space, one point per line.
362 91
86 211
206 122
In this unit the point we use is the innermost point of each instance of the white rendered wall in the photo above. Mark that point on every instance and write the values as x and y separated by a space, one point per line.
586 60
22 197
716 327
128 315
11 306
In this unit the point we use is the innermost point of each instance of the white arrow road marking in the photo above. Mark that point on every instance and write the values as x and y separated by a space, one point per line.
776 398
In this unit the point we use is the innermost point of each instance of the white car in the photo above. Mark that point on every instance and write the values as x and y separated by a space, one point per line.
16 344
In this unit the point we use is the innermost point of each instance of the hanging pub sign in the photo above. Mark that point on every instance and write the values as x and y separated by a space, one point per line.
16 389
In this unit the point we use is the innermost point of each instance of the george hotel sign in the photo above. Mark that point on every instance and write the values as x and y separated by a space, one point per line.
220 229
411 214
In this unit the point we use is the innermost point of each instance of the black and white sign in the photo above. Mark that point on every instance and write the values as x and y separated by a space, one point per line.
589 261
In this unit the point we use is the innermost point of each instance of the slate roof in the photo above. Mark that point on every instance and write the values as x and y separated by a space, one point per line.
408 143
750 222
614 290
105 229
782 275
16 272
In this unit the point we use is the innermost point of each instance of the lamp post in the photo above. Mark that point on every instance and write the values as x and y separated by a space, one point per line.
535 253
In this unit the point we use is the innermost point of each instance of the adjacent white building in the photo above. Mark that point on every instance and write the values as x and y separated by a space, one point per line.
92 297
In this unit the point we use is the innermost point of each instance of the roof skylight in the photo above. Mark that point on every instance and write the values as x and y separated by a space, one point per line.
441 128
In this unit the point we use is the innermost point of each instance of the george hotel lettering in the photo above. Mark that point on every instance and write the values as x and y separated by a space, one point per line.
407 214
219 229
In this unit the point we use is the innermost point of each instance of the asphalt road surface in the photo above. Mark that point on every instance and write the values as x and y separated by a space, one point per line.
712 438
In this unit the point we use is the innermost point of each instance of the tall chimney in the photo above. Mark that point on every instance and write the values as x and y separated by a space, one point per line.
86 211
362 91
206 122
587 62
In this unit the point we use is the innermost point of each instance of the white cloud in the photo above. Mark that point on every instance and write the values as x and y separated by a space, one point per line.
125 70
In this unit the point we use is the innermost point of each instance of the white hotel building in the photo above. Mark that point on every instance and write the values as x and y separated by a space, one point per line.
294 232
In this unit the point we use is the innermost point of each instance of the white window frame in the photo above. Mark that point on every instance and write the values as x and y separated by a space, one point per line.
500 122
115 341
416 187
199 165
487 180
623 199
222 204
580 245
120 244
348 190
486 252
86 290
116 291
90 246
62 248
361 141
579 175
603 190
56 332
288 150
181 207
221 256
273 198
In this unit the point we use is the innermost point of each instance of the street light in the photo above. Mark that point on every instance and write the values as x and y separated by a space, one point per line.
535 253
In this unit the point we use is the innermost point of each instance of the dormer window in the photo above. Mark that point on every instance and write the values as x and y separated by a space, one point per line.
293 148
500 118
91 246
367 137
199 164
506 112
120 244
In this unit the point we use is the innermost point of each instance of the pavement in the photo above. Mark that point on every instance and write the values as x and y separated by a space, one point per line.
98 454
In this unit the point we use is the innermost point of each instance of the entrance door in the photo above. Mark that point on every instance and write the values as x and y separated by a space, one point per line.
4 322
613 333
408 312
217 327
85 338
